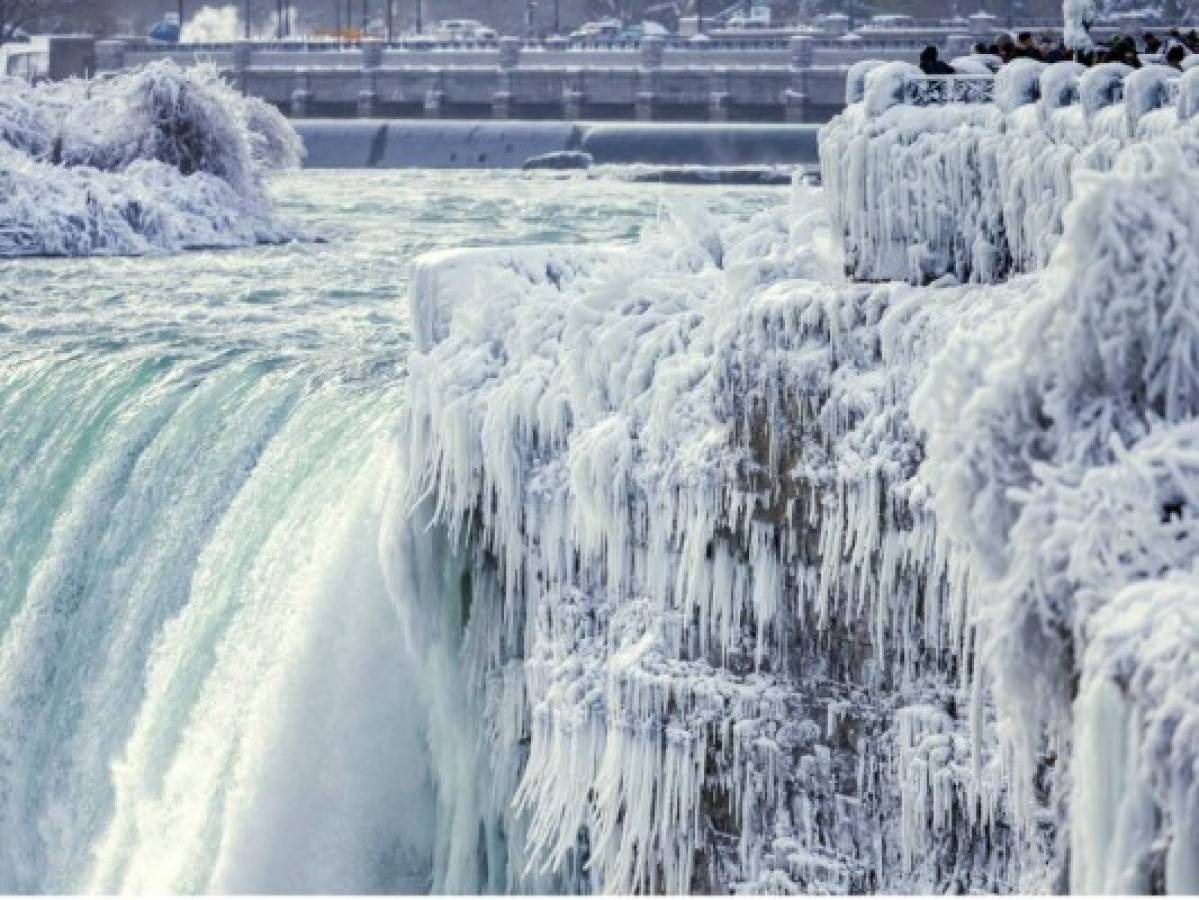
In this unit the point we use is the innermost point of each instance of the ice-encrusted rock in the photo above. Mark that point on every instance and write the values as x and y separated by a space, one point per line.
1061 455
685 472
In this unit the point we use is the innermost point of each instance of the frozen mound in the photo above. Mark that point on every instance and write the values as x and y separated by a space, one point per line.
158 159
977 190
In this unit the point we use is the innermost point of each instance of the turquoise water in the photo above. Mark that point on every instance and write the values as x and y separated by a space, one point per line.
202 682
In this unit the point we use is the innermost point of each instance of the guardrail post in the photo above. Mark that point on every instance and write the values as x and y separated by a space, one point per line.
433 98
501 100
110 56
510 52
651 59
796 96
368 96
241 54
301 95
509 59
572 94
718 96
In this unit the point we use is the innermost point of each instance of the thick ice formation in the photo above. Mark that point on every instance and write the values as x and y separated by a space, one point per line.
754 579
153 160
1063 456
696 558
978 190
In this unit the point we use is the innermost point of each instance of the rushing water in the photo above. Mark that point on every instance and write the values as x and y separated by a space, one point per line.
202 681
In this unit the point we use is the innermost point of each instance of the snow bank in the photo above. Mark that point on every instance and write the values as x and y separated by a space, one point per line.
977 190
157 159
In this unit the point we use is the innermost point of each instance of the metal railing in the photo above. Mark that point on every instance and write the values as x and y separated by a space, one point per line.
938 90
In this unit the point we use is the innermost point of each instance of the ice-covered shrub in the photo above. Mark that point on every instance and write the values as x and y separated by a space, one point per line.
1018 83
154 159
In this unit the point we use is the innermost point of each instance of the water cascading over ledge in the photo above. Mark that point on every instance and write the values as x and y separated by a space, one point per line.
738 576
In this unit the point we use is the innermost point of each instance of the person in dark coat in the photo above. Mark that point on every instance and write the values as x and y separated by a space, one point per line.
931 65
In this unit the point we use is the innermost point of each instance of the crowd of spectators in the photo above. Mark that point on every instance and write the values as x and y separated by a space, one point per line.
1172 49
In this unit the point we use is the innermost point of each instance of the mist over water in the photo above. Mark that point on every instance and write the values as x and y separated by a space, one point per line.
204 684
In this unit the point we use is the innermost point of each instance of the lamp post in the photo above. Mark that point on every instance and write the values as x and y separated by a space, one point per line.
699 16
246 20
390 20
180 19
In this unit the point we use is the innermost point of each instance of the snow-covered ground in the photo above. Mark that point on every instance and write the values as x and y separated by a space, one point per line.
740 575
159 159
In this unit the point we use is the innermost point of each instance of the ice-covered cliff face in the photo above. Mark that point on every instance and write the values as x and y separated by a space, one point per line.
738 576
158 159
712 638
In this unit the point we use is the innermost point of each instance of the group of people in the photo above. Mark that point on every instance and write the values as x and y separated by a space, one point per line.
1171 50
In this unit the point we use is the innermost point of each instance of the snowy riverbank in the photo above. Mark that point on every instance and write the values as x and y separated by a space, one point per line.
761 579
155 160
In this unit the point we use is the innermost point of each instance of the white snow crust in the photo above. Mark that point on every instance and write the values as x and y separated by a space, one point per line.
157 159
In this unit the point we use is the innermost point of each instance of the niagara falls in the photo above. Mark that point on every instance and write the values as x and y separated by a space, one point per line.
599 447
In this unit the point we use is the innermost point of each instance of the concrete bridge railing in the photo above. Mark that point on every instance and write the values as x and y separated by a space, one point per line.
511 79
801 79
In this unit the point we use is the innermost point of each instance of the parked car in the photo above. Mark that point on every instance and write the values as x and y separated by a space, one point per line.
168 30
647 29
463 30
605 29
758 17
